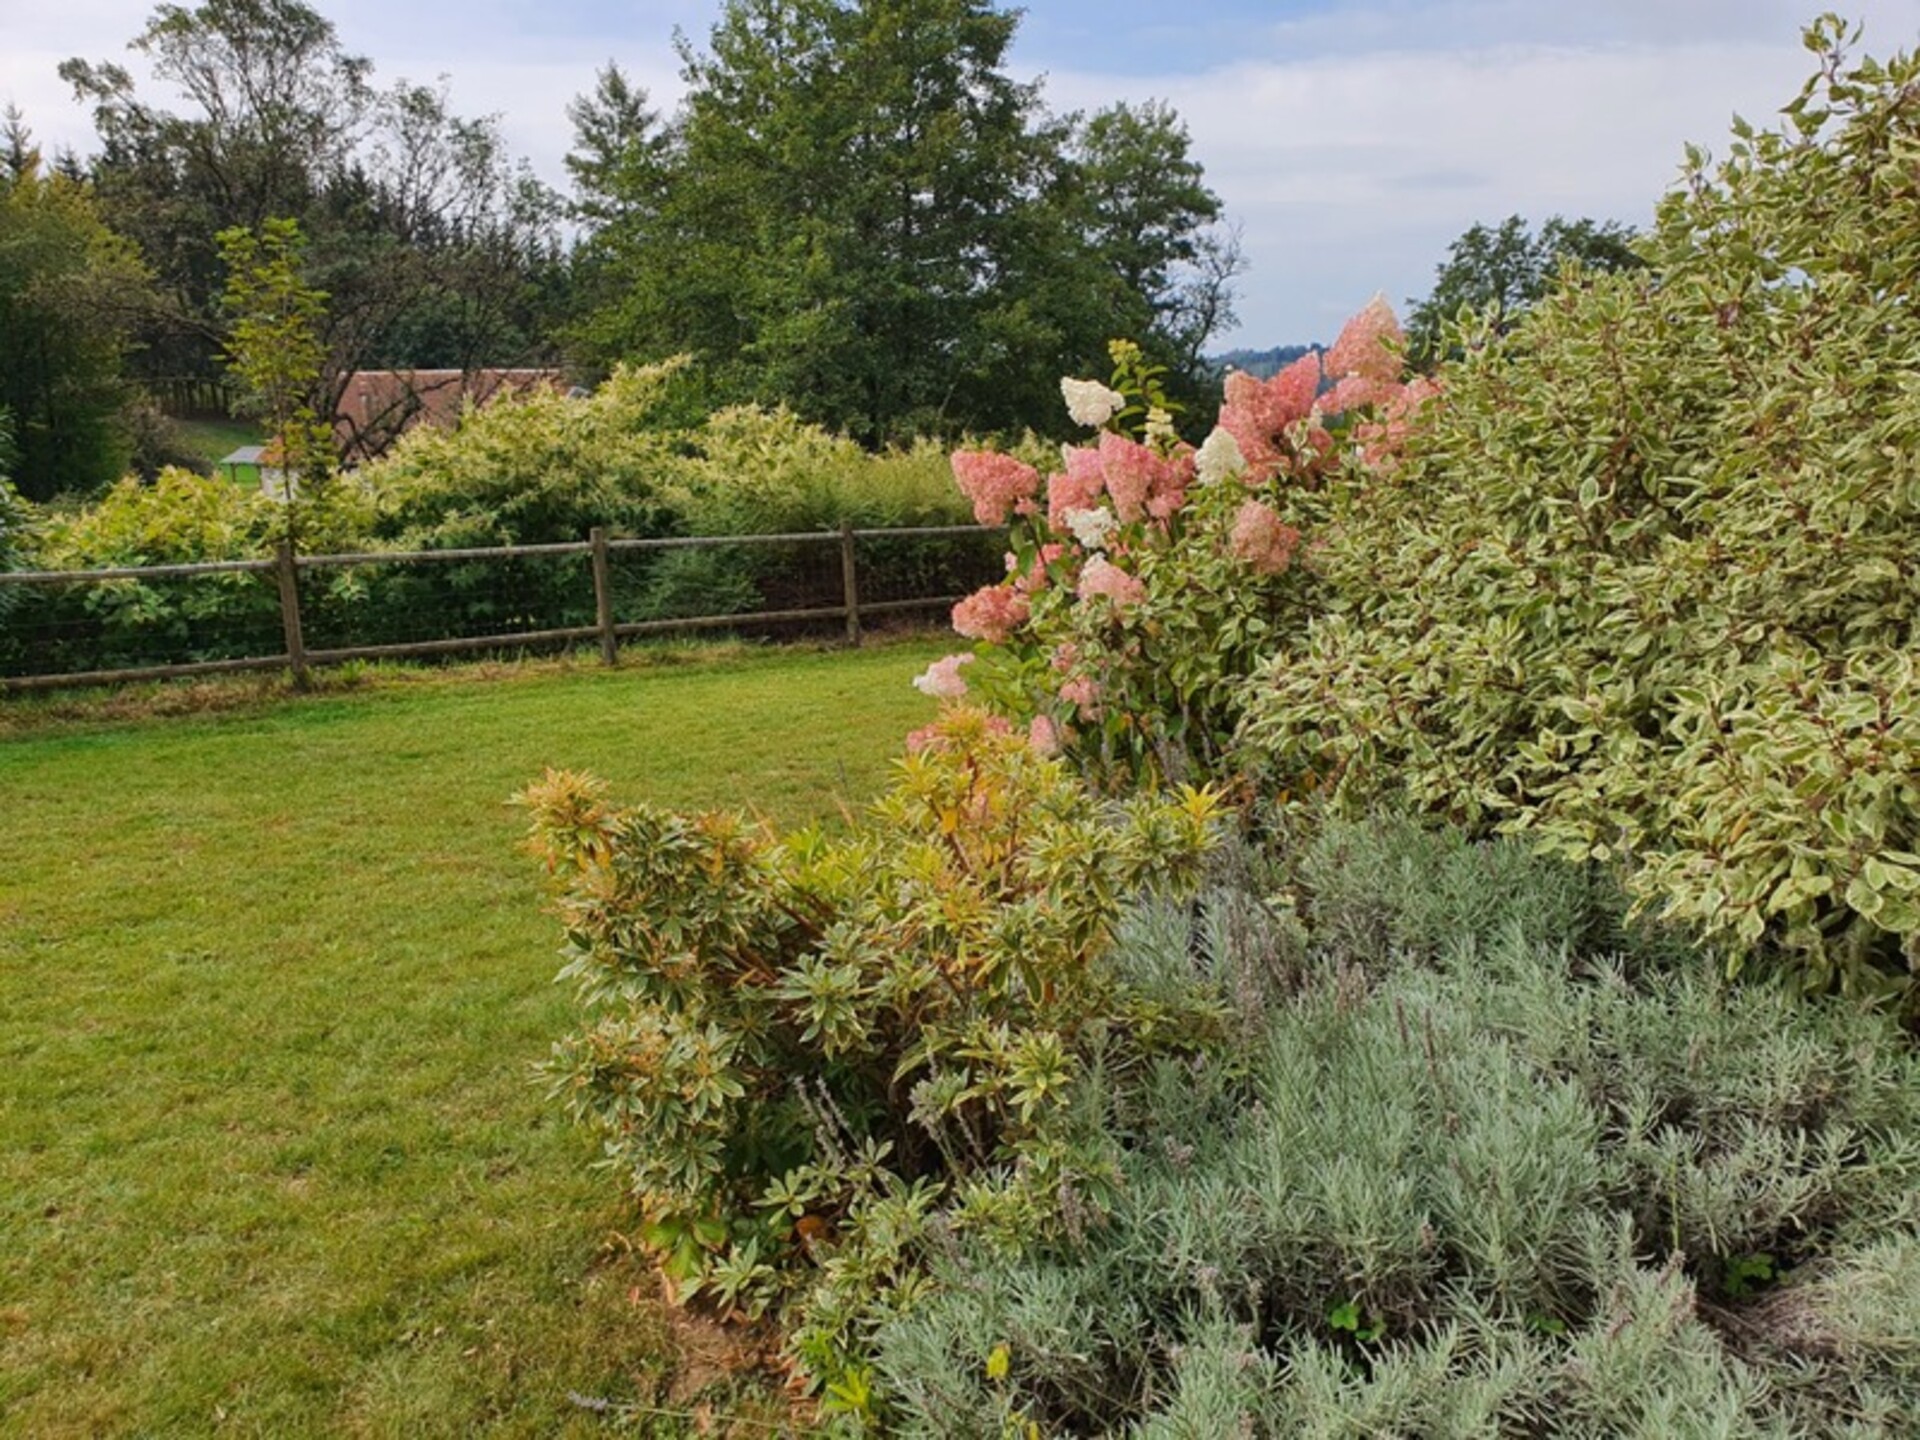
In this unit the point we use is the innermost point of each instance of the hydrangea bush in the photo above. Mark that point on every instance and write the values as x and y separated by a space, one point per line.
1147 578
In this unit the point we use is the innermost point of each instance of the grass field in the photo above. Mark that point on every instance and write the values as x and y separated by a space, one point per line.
272 984
212 440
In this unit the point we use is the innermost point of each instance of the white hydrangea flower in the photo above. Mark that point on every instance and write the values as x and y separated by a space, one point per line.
1160 425
1219 458
1091 527
1089 402
941 680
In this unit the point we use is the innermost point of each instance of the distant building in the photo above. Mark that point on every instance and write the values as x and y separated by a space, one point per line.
263 463
377 406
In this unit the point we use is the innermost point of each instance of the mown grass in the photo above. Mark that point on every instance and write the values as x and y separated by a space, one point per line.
272 985
214 440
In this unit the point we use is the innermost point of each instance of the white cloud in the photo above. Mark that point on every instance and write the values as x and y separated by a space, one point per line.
1352 173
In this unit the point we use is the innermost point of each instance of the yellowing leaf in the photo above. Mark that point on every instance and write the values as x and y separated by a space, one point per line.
999 1361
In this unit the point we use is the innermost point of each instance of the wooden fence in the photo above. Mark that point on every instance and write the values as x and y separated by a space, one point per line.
296 657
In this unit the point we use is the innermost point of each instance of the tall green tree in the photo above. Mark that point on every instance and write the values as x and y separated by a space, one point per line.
1507 268
274 108
858 211
71 295
437 248
619 151
1151 221
847 180
18 153
14 516
619 165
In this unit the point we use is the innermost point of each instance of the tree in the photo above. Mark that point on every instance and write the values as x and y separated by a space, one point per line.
841 206
857 211
19 156
1507 269
433 244
619 166
71 294
275 349
618 159
1153 224
13 516
277 107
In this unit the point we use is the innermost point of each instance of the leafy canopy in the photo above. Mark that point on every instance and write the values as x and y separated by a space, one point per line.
71 292
1506 268
432 242
274 347
858 212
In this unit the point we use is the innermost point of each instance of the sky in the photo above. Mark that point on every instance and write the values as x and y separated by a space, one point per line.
1350 140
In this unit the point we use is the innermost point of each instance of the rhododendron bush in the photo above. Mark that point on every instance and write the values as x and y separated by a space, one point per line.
1147 577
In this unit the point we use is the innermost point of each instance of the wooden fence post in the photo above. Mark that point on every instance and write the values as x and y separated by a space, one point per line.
850 583
603 598
290 615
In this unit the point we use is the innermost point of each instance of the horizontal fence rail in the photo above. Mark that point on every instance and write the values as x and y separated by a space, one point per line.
294 612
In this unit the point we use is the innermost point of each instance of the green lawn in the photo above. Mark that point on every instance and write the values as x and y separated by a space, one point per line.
272 984
212 440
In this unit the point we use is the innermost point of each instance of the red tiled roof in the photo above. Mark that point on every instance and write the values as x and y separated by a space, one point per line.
377 406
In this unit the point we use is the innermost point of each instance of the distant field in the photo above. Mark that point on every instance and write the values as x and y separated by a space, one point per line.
272 984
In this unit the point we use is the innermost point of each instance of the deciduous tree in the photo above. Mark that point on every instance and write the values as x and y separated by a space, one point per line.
433 243
1507 268
274 347
71 292
857 210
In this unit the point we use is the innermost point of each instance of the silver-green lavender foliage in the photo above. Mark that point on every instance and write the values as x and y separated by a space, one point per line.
1491 1175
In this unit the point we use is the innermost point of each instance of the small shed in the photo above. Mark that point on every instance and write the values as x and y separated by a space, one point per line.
253 464
247 457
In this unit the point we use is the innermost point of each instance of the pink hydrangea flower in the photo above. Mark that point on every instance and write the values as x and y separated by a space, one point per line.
1258 413
941 679
1082 693
1079 488
1170 483
1133 474
1380 442
1035 578
1356 390
1101 577
991 614
1370 346
1065 656
1164 501
995 483
1043 737
1262 539
1291 392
